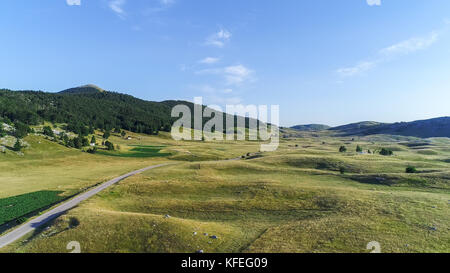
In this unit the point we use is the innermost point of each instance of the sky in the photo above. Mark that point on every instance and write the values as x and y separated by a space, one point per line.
323 61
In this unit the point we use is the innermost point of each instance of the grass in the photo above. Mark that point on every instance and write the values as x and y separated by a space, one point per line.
139 151
293 200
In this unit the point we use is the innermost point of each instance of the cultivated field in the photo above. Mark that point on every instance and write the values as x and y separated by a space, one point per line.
305 197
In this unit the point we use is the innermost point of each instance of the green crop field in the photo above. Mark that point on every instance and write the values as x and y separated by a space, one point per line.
305 197
12 208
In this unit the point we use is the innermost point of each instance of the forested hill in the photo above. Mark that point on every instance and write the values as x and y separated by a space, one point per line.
86 106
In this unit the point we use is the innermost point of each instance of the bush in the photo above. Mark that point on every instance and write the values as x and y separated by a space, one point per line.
386 152
109 146
359 149
92 150
342 170
343 149
48 131
73 222
2 131
17 146
106 135
411 169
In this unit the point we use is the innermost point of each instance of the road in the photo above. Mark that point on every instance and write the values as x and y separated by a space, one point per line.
61 209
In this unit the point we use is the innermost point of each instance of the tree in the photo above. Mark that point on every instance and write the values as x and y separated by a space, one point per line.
17 146
109 146
359 149
78 142
411 169
48 131
123 134
84 142
22 130
343 149
2 131
106 135
386 152
93 140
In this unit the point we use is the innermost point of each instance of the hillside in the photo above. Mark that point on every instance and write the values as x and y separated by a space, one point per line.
88 106
437 127
85 89
311 127
85 107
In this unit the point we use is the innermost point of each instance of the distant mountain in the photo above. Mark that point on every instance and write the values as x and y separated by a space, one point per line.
310 127
436 127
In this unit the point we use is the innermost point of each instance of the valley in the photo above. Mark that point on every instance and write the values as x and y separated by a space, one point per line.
305 197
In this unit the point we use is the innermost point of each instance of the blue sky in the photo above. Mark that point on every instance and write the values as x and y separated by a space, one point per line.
322 61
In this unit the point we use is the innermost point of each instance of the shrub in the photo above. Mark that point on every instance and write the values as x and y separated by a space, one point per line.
73 222
386 152
48 131
109 146
359 149
342 170
343 149
17 146
106 135
2 131
411 169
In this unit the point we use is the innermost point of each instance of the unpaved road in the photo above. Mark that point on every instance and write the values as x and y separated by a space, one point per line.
59 210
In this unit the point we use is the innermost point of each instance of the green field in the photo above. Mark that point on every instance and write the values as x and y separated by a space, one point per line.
305 197
12 208
138 151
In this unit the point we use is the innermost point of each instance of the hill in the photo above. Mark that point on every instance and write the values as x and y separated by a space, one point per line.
88 106
311 127
436 127
85 89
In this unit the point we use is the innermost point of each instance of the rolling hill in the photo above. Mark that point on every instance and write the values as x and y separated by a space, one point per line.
436 127
311 127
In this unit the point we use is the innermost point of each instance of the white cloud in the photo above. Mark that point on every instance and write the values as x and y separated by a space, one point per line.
374 2
219 39
410 45
357 69
117 7
391 52
209 60
73 2
216 95
233 75
237 74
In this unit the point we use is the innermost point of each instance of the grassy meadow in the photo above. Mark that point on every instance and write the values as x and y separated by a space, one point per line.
305 197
